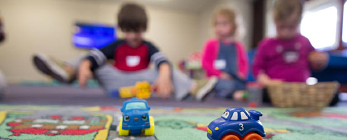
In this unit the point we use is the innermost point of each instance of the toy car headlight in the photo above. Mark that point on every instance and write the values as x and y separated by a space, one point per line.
144 118
209 131
126 118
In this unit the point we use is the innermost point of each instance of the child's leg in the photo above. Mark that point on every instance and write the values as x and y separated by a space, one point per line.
240 87
228 88
64 72
182 84
224 88
113 79
110 78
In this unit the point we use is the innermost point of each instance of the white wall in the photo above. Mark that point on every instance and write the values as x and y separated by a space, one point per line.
244 12
47 25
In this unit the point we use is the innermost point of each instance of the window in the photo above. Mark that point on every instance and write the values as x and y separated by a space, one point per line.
225 115
319 25
324 23
248 113
135 105
243 116
235 116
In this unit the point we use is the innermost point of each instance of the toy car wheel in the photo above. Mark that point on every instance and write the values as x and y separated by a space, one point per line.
150 131
230 137
253 136
122 132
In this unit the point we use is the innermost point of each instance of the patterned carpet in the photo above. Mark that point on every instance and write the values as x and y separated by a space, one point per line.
100 123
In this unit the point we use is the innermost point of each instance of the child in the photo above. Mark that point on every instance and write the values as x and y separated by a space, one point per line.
289 56
132 56
225 58
2 77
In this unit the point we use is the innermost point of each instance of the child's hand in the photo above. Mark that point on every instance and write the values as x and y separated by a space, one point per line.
318 60
163 84
242 76
226 76
84 73
164 87
266 80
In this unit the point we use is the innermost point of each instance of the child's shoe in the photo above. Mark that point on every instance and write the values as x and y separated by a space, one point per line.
51 67
204 87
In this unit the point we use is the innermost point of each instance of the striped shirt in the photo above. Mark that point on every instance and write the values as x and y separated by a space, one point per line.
127 58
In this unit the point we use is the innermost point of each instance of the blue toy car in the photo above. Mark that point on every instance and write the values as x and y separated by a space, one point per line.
237 124
135 119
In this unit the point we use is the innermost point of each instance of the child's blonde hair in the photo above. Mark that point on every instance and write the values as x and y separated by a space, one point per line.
285 8
229 13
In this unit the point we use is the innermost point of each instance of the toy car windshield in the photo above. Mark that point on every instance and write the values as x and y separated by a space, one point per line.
135 105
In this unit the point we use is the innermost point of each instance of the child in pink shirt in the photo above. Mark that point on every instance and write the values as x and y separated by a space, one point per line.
224 58
289 56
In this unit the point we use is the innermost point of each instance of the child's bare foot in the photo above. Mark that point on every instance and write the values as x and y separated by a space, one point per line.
53 68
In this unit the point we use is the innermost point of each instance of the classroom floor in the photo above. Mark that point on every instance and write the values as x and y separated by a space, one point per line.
37 103
19 122
35 95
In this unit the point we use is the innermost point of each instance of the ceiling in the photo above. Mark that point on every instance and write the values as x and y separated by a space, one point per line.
185 5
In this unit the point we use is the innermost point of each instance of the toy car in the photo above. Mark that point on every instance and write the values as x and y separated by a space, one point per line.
135 119
237 124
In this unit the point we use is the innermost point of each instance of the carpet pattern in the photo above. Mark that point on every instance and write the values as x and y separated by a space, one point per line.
100 123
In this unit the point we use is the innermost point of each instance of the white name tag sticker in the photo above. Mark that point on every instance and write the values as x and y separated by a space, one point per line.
132 61
220 64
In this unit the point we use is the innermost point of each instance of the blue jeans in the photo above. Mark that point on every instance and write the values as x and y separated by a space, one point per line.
226 88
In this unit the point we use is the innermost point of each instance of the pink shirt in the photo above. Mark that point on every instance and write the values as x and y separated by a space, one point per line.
210 54
287 60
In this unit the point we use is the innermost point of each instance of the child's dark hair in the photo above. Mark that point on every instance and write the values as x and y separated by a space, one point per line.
132 17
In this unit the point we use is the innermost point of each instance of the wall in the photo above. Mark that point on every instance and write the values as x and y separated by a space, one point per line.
244 11
270 29
46 26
